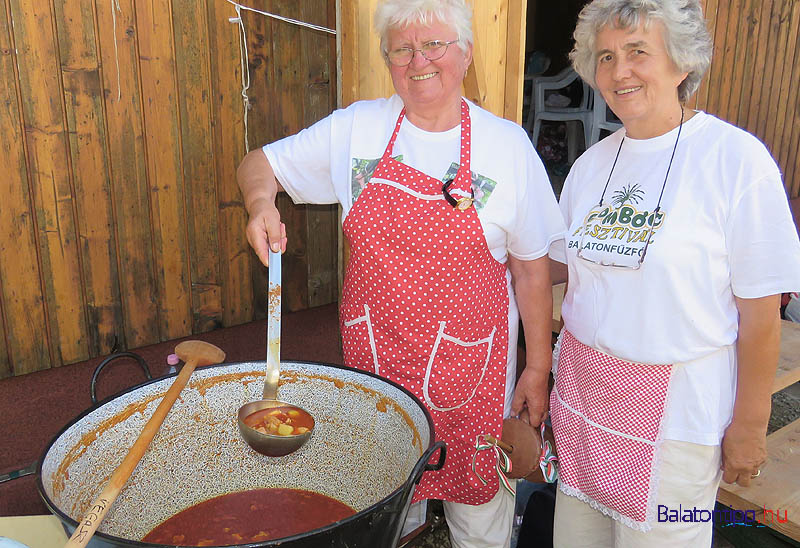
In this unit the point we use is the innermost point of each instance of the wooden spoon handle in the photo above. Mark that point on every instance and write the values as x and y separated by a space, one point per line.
99 508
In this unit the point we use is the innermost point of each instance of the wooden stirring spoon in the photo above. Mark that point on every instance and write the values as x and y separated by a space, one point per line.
194 353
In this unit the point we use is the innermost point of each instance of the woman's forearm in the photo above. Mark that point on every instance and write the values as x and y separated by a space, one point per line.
259 188
757 350
534 296
256 179
744 445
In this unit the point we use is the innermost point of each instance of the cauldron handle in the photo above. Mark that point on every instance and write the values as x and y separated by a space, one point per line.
397 510
112 357
439 465
423 465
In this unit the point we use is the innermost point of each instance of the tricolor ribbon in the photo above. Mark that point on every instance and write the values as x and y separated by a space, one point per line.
503 464
548 459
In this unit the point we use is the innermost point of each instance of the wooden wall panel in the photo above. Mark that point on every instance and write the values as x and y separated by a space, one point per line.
714 74
753 77
792 171
83 103
281 86
228 141
123 126
192 70
772 46
792 144
129 185
322 223
25 338
752 81
515 59
789 83
490 28
778 100
298 79
701 96
725 57
162 142
50 178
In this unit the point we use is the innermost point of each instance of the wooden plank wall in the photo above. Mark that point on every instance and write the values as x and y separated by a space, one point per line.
121 223
754 76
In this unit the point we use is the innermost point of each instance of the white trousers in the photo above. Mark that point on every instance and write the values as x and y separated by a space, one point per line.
484 526
689 478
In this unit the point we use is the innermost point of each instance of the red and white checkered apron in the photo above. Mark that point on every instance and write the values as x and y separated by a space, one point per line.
425 304
607 415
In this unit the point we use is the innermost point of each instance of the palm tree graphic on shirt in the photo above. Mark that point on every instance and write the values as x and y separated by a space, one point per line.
630 193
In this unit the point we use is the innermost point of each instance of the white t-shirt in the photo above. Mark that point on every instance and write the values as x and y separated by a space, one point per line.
724 229
331 162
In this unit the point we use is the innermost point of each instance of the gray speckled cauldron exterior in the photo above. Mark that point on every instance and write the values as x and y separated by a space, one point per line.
370 444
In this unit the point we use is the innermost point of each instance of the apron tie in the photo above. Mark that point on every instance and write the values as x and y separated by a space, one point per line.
502 464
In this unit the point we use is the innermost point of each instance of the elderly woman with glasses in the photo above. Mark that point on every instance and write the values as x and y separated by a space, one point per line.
449 216
679 244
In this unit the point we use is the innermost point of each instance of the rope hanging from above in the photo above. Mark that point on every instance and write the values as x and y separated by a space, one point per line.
244 57
240 7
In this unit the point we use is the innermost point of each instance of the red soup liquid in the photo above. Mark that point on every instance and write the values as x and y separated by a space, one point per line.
249 516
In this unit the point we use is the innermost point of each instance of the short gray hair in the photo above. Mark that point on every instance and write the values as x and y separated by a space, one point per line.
686 37
401 13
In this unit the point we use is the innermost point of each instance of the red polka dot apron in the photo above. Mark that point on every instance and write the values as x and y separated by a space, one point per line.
607 417
425 304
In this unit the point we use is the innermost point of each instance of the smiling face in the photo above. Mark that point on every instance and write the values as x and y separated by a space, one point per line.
638 79
431 90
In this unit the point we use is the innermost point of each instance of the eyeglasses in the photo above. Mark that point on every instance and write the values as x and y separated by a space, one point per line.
431 51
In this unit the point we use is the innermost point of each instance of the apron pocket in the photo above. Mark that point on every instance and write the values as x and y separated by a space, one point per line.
455 369
358 342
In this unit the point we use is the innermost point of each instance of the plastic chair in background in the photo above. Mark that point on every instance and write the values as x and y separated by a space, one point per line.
536 64
540 109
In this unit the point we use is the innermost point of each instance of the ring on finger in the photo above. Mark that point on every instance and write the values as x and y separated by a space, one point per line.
758 473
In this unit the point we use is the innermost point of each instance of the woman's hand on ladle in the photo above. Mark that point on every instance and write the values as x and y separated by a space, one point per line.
259 188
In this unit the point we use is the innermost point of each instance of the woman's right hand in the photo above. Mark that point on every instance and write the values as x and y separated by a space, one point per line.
259 188
261 231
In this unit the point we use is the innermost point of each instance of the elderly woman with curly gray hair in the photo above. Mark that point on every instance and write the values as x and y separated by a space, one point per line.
679 244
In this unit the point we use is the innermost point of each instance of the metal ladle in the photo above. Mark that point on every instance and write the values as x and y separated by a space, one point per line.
272 445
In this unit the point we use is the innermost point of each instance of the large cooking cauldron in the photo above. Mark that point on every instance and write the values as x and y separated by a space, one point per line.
371 444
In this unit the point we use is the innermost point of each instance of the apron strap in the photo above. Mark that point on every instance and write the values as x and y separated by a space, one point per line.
463 179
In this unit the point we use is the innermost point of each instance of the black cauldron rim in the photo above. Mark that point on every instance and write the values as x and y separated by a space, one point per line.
416 473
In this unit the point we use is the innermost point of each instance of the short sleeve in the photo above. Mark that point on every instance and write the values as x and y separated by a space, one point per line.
762 241
538 220
302 163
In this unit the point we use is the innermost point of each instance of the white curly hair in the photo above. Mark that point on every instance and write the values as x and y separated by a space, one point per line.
686 37
401 13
